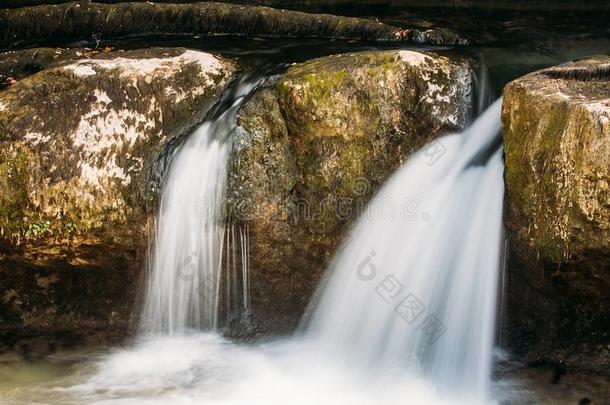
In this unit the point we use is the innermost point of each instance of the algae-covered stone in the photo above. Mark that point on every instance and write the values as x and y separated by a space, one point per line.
79 145
314 147
557 145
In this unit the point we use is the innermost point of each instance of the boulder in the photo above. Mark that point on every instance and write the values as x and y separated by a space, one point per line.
94 21
82 146
16 65
313 147
557 145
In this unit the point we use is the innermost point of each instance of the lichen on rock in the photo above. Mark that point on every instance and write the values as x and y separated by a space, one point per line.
18 64
111 117
557 146
79 142
313 147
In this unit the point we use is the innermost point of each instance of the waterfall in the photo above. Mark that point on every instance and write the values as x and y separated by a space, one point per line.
405 313
414 286
237 275
184 280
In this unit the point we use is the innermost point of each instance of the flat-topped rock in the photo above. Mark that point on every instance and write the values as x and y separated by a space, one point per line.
557 145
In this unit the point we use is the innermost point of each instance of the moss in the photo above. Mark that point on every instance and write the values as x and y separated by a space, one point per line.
14 182
74 21
310 152
61 192
541 170
260 152
557 213
541 149
17 65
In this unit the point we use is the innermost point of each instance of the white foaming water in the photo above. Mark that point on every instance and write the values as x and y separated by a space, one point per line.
406 314
415 285
186 261
205 369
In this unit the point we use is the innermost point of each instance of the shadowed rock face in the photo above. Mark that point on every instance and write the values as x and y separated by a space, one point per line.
79 143
314 147
557 145
85 21
16 65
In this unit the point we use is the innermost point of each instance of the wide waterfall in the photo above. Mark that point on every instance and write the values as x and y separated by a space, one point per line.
415 284
329 202
405 313
191 240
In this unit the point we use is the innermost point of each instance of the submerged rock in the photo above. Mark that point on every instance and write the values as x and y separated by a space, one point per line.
314 147
557 145
94 21
79 145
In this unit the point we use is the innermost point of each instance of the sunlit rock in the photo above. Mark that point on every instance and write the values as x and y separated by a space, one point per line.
313 148
81 146
557 143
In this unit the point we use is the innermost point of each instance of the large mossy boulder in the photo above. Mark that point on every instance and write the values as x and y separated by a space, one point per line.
557 145
81 148
313 147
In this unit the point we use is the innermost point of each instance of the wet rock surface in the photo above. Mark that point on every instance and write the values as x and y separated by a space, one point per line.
79 147
557 145
313 148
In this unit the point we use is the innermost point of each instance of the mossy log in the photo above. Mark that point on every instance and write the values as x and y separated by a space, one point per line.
94 21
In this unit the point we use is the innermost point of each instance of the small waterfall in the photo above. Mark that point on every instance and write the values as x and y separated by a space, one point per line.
406 314
191 238
237 274
483 94
415 284
244 235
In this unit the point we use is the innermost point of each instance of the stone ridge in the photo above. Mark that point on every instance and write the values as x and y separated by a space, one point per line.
94 21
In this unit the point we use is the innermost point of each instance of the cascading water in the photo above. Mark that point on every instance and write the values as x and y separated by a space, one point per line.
415 284
406 312
184 280
237 271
